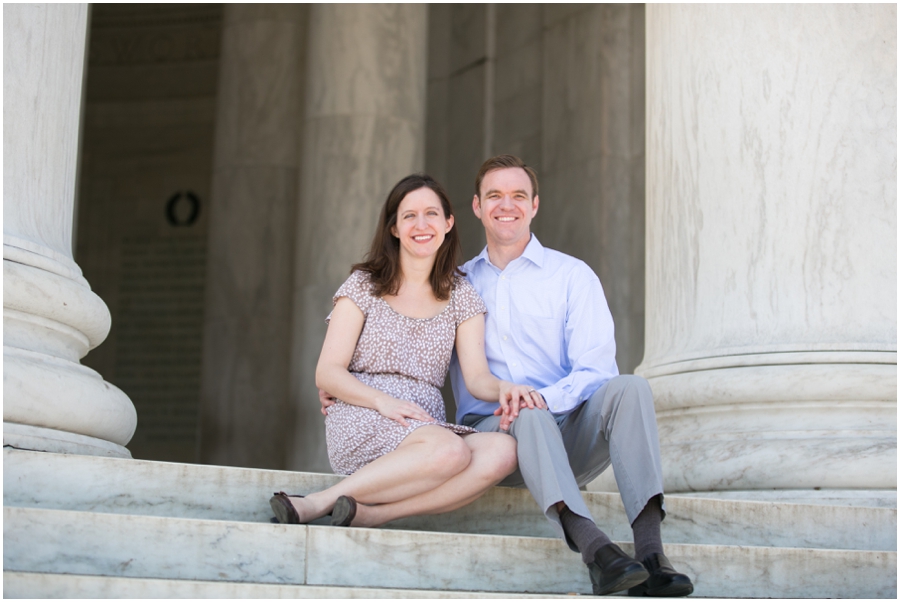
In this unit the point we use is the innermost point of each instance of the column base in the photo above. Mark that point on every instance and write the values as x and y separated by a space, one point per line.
36 438
816 420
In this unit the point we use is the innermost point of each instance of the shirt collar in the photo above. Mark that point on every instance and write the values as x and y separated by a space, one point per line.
534 252
483 256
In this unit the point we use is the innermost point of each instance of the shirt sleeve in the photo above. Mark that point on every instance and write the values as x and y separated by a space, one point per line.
590 344
357 288
466 301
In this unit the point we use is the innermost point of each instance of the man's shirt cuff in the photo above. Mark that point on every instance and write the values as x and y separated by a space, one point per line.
558 401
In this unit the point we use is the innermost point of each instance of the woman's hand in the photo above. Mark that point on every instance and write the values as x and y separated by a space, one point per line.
400 409
512 398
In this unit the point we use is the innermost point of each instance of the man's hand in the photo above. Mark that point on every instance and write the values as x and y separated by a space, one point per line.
326 400
514 397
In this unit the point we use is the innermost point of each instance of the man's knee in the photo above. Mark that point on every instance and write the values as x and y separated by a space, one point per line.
629 401
532 420
630 383
631 389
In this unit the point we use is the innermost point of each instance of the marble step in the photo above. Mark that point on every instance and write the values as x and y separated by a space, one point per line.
154 547
48 585
44 480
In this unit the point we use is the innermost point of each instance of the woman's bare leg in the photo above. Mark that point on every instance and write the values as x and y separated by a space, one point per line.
493 458
423 461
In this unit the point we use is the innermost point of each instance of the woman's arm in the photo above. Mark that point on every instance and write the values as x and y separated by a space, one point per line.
332 375
479 380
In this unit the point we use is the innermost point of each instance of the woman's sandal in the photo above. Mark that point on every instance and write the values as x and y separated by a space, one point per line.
284 510
344 511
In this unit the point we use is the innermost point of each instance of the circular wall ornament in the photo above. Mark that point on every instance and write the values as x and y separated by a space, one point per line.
177 216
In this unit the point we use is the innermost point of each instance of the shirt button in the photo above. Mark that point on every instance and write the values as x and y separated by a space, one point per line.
502 307
514 364
502 277
505 337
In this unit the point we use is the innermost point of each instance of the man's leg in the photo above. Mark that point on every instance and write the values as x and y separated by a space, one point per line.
543 463
544 469
618 425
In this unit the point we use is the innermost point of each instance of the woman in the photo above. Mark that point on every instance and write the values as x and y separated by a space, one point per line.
389 341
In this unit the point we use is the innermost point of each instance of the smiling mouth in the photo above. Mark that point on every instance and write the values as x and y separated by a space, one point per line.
423 238
506 218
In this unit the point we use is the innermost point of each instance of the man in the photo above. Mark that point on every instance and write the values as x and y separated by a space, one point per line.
548 325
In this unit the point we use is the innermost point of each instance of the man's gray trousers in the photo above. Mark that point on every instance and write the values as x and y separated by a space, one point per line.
559 453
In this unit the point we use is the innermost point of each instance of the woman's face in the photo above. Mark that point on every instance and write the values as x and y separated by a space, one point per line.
421 225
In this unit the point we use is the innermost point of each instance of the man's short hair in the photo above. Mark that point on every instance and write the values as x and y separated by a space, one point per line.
503 162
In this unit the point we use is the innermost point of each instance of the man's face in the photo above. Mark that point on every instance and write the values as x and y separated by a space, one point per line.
506 206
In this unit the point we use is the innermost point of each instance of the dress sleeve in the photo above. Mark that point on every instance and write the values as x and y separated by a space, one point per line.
466 301
357 288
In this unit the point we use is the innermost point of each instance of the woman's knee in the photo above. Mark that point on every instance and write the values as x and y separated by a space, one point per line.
508 460
447 454
501 455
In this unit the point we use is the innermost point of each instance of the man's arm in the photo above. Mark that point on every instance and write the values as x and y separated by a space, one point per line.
590 343
327 400
483 385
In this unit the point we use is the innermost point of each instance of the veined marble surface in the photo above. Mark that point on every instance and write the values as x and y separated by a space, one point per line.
44 391
46 585
51 318
771 231
43 49
23 437
771 178
142 487
154 547
118 545
414 559
861 498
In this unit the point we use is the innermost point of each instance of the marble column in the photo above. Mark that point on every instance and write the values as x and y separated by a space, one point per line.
245 376
51 319
771 323
363 130
591 148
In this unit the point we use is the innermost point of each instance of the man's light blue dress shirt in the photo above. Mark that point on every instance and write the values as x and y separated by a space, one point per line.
548 326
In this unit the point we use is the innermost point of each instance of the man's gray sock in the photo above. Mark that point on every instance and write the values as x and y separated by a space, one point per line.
583 533
647 538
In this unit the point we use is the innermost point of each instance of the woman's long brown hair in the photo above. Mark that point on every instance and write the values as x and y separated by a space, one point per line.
382 262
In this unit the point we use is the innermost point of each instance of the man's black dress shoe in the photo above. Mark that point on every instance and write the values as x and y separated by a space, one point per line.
613 570
664 580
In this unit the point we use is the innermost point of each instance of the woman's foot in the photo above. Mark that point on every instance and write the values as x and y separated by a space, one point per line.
283 509
344 511
311 507
297 509
348 512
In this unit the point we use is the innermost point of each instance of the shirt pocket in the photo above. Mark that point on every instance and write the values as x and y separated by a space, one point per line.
542 338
